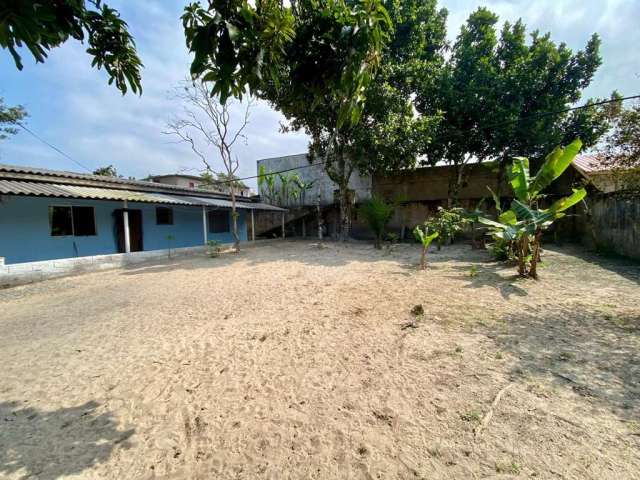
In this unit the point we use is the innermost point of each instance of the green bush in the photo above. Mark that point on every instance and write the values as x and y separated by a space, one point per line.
447 222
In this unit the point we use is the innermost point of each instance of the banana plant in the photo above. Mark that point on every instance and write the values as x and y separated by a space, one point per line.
284 193
522 225
303 187
267 184
425 239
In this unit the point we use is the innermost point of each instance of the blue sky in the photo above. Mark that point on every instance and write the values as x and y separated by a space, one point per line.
71 106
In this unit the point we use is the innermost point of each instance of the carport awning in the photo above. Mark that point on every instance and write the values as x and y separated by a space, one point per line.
16 187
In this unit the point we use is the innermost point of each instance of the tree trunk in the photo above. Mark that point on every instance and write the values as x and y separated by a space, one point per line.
345 210
502 169
319 212
523 249
535 257
455 183
423 258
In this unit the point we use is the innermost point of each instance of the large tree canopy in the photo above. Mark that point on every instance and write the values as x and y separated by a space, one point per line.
322 57
496 91
46 24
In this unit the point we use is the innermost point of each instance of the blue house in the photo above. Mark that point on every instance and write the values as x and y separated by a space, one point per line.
48 214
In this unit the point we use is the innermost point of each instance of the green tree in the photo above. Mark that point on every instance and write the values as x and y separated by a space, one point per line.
9 118
46 24
388 134
108 171
495 93
331 73
622 147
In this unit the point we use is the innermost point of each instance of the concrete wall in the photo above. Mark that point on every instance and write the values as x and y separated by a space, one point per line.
30 272
614 225
25 231
360 184
432 183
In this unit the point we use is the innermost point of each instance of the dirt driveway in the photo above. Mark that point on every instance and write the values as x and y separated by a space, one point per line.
293 361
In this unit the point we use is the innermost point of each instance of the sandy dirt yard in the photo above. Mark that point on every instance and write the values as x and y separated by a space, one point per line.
290 361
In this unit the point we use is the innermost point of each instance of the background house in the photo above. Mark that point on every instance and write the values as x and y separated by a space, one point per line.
196 182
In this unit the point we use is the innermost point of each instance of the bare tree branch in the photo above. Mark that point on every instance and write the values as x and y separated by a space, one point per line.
206 127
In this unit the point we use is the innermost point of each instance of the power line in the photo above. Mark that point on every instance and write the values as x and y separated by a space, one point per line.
224 182
506 122
21 125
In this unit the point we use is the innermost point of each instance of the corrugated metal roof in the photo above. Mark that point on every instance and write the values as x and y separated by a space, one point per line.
589 164
16 187
17 172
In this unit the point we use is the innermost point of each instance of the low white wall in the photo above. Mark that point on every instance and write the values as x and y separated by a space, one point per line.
23 273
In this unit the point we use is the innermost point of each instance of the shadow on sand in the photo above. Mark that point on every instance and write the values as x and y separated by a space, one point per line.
595 354
48 445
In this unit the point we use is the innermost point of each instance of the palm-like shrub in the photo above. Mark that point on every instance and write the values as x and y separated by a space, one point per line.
521 226
377 213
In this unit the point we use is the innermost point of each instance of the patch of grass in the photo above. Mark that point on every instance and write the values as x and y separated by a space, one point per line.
566 356
511 467
472 416
499 356
473 272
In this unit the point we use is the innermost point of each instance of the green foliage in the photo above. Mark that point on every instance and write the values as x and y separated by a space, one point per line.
9 117
519 230
473 272
43 25
302 187
283 188
108 171
267 184
501 250
424 238
377 213
447 222
239 46
496 88
344 72
622 148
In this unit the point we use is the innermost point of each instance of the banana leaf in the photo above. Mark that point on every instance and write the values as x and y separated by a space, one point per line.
519 178
568 202
554 164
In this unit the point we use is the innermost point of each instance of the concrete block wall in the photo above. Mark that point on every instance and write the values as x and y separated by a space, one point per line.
29 272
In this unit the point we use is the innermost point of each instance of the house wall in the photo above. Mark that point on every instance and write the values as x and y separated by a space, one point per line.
178 180
25 232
